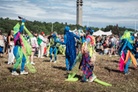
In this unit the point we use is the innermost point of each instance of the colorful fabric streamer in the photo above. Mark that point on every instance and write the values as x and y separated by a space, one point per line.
126 51
121 63
71 77
70 52
23 50
134 61
102 82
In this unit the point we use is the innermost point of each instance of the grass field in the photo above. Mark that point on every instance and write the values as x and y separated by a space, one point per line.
50 77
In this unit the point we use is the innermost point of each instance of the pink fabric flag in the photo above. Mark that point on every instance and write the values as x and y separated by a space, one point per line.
121 63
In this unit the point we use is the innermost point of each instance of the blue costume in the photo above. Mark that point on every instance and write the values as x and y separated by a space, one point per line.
53 46
70 53
22 49
126 49
17 51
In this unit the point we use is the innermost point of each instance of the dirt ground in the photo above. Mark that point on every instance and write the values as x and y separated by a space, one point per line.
50 77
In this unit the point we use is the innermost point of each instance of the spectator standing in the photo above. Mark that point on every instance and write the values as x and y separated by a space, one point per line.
41 43
2 44
10 41
34 44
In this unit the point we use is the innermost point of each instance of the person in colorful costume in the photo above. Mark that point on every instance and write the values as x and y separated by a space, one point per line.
70 53
22 49
62 49
54 41
79 44
88 57
126 51
18 49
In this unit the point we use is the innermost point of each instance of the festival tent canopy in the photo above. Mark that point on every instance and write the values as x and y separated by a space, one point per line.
97 33
136 34
100 33
108 33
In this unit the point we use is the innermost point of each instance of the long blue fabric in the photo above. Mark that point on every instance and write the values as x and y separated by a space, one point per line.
70 49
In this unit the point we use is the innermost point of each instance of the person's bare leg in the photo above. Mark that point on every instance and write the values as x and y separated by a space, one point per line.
32 58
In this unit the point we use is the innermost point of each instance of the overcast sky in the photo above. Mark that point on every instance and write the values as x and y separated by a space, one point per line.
97 13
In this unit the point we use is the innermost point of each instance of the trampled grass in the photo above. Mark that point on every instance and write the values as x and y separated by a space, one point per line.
50 77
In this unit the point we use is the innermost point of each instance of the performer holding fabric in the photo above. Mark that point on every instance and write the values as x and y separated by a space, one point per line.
70 53
88 57
54 41
18 49
22 49
126 49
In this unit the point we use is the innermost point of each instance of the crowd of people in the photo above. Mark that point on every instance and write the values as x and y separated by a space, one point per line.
71 44
107 45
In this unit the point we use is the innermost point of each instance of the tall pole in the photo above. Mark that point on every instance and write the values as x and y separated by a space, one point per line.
79 12
52 28
135 26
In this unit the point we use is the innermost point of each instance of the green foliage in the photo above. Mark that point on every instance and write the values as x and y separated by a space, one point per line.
37 26
117 30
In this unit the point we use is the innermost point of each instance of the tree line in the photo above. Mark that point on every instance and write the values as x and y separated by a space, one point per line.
7 24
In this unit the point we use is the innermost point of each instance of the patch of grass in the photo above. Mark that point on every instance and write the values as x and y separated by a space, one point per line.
50 77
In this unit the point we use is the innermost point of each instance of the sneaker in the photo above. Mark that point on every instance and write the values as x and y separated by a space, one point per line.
41 57
9 63
12 63
23 72
116 55
93 78
51 60
55 61
47 55
84 80
32 63
127 73
14 73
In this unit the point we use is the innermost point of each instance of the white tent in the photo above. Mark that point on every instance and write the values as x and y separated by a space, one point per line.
108 33
100 33
136 34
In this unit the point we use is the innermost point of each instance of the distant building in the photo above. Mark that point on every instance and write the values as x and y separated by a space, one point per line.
79 12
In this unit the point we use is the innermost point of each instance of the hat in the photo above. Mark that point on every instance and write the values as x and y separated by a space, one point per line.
42 33
67 28
89 30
